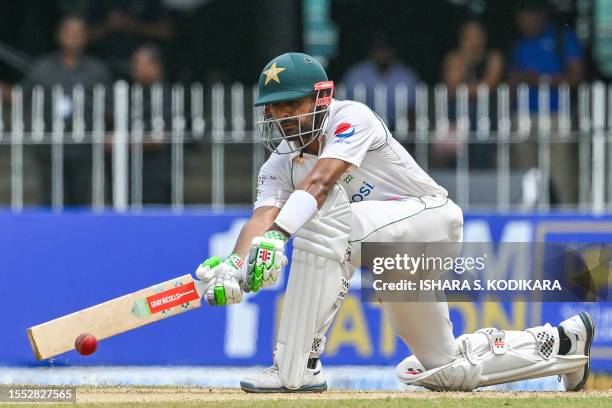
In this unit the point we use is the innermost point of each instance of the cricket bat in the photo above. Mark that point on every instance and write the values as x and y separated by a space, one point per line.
116 316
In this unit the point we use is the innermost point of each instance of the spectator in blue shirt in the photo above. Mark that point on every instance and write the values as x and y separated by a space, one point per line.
544 52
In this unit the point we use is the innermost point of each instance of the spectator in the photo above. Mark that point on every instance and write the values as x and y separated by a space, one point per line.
68 67
147 70
119 27
544 52
472 63
382 67
547 53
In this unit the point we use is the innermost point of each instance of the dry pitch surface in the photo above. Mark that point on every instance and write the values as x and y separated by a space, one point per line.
231 397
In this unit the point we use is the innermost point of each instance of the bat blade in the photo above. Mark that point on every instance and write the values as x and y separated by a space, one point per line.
116 316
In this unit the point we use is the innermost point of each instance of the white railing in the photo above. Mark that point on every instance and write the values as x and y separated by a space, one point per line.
223 115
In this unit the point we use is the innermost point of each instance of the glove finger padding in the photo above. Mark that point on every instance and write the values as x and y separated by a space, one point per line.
209 269
247 285
266 259
223 290
270 276
223 280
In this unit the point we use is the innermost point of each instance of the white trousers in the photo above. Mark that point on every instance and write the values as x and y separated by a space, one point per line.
425 327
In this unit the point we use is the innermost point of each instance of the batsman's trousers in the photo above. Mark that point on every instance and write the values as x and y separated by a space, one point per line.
425 327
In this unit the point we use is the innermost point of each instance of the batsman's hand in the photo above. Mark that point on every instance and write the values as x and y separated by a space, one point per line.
265 262
223 280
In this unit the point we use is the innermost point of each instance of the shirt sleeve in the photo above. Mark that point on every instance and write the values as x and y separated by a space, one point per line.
105 75
354 130
515 57
273 184
35 75
573 51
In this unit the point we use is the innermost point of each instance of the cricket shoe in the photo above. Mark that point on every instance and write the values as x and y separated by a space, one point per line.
580 329
270 382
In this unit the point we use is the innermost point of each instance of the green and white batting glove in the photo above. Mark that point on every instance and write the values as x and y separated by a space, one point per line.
265 262
223 280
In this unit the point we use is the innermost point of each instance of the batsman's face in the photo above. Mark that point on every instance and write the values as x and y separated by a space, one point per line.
295 116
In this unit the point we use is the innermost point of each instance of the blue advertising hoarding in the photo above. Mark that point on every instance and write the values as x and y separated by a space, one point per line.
54 264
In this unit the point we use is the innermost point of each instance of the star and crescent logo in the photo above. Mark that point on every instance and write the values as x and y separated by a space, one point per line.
272 73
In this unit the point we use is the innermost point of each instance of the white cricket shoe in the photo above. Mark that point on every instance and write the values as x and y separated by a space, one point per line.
580 329
269 381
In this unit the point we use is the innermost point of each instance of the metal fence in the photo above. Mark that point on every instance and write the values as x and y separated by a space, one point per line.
222 115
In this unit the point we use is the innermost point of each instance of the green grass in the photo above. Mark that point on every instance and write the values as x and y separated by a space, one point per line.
598 394
471 401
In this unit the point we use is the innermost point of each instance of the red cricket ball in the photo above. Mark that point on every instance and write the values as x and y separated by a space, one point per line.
86 344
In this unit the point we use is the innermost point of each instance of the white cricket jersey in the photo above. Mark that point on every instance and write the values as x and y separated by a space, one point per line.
381 169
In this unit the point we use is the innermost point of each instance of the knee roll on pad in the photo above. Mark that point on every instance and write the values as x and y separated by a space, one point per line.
318 283
490 356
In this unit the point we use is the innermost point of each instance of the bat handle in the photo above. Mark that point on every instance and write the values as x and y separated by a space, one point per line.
200 287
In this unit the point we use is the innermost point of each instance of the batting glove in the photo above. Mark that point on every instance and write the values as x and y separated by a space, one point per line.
223 280
265 262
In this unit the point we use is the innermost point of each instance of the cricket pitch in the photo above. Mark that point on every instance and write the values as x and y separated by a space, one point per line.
132 396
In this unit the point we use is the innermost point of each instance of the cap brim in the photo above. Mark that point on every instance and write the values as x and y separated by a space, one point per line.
277 97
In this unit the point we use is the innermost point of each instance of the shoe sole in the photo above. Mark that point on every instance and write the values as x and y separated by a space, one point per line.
590 332
248 387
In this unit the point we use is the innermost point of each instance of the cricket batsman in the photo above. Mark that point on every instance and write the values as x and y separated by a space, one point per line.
336 178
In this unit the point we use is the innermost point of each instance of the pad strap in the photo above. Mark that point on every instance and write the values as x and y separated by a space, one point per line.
312 362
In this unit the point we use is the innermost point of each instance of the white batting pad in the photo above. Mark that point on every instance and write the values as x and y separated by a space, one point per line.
490 356
318 282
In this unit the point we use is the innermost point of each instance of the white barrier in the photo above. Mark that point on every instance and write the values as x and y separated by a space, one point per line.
222 115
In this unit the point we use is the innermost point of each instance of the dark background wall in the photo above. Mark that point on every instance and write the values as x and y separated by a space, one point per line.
232 39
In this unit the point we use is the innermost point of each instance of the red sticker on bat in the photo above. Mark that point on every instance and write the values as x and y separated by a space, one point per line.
172 297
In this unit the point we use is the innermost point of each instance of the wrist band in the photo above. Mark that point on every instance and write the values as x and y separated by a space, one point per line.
297 211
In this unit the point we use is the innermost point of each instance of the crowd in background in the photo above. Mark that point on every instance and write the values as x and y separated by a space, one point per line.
69 66
126 40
